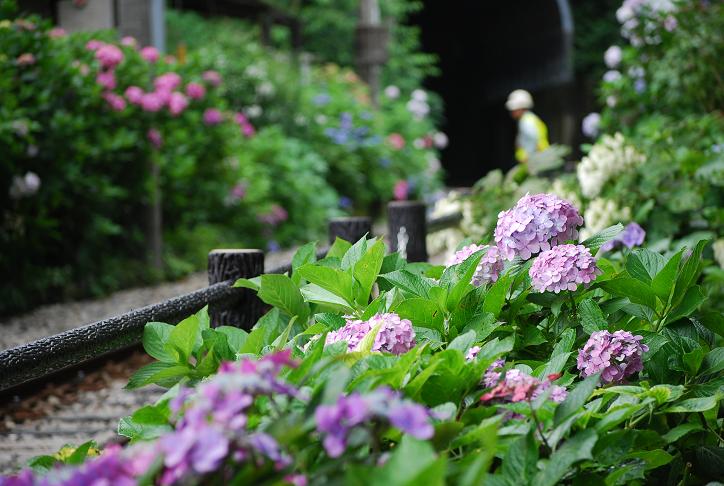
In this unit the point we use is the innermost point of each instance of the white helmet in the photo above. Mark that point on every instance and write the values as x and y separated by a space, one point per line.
519 99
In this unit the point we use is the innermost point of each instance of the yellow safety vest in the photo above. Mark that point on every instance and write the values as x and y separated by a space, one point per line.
542 135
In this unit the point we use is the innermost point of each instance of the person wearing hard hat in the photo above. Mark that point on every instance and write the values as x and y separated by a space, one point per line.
532 132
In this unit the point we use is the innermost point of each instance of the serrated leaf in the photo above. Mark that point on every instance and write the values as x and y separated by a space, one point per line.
643 264
576 399
596 241
367 268
280 291
155 337
592 318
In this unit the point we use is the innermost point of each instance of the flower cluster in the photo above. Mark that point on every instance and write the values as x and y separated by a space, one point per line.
602 213
616 355
24 186
590 125
336 421
418 104
348 134
563 267
648 15
489 267
517 386
632 235
534 224
608 157
275 216
394 335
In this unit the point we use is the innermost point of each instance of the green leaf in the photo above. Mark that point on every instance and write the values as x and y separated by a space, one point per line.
354 254
184 337
412 462
576 399
280 291
689 303
463 342
592 318
336 281
409 282
643 264
577 448
495 297
664 281
331 320
158 372
317 295
338 248
305 254
713 362
519 463
692 360
596 241
235 337
367 269
635 290
249 283
392 262
422 313
689 272
680 431
155 337
693 405
136 431
653 459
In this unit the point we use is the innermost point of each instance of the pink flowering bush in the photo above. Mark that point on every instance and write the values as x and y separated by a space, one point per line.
394 335
616 356
489 267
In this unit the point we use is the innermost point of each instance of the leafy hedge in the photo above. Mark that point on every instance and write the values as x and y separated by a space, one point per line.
245 159
380 371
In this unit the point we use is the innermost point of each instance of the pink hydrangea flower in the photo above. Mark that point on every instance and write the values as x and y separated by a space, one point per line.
472 353
395 335
167 82
116 102
154 136
211 77
563 267
134 95
109 56
94 45
56 32
150 54
401 190
492 374
195 91
212 116
107 79
489 267
396 141
534 224
177 103
152 102
616 355
248 130
129 41
518 386
26 59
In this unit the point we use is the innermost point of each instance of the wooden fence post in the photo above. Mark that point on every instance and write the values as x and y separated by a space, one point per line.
244 309
408 229
350 228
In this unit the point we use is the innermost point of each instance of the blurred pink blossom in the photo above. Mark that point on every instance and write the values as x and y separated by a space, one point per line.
109 56
56 32
401 190
152 102
129 41
177 103
195 91
150 54
154 136
248 130
212 116
26 59
107 79
397 141
238 192
167 82
134 94
94 45
116 102
212 77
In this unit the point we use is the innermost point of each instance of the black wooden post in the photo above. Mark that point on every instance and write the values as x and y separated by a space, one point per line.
408 229
244 310
350 228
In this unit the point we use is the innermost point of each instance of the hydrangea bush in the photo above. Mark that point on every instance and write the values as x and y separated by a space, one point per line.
371 369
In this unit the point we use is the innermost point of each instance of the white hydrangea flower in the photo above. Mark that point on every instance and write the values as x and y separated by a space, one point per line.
609 157
612 57
602 213
392 92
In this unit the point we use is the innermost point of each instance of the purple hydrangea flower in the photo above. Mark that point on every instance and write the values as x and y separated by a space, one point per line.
395 335
492 374
616 355
563 267
534 224
472 353
489 267
631 236
336 421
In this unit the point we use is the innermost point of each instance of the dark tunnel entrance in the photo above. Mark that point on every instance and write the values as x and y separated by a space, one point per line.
485 50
